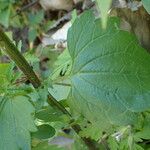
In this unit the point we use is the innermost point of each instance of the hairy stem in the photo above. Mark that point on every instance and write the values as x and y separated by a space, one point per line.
12 51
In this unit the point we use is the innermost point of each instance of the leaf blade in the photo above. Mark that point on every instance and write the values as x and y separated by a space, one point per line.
16 124
109 82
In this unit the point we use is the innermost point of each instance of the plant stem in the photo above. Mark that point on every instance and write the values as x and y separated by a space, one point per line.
12 51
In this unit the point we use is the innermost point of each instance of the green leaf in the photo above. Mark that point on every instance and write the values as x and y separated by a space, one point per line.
146 4
45 131
91 131
35 19
145 132
3 4
110 72
112 142
104 6
59 92
32 34
138 147
62 64
4 16
48 115
16 123
3 69
3 75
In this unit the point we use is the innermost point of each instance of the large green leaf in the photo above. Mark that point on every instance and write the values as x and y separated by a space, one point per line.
16 123
146 4
110 73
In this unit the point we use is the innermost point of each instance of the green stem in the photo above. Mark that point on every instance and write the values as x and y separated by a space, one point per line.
12 51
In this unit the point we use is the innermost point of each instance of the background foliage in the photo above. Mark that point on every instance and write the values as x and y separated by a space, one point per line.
94 92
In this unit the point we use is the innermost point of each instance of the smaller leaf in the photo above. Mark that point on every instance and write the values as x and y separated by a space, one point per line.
4 16
3 75
112 142
48 115
62 65
145 132
37 18
32 34
59 92
92 131
3 4
45 131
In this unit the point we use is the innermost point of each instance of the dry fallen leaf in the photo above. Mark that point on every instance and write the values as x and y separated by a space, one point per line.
57 4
